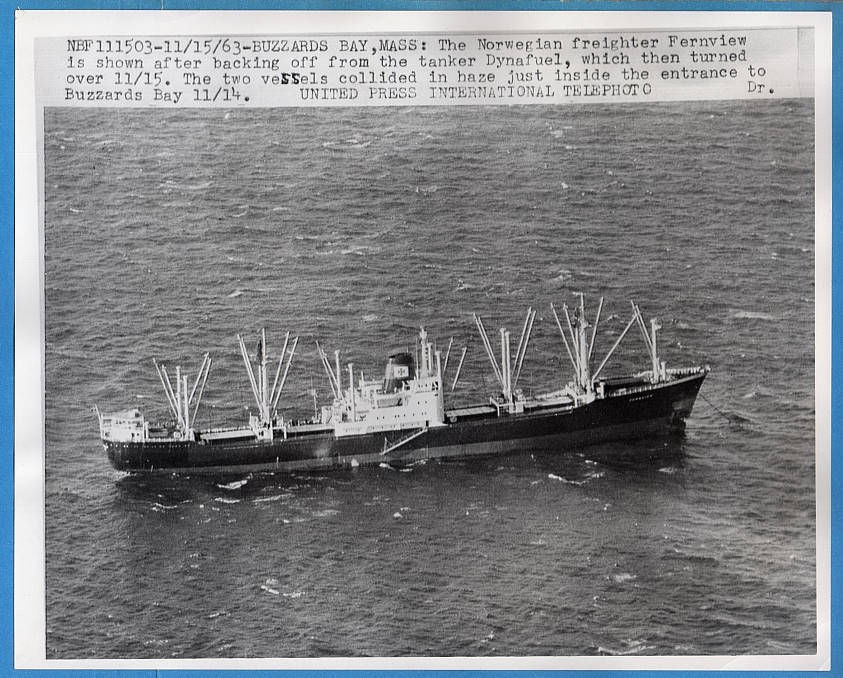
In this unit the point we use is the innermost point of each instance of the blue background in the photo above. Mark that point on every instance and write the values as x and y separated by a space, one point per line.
7 272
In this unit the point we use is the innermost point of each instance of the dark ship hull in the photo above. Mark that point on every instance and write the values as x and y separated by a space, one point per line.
627 409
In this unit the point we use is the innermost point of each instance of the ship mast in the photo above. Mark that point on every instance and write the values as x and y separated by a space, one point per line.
509 368
579 345
459 368
333 376
180 399
657 367
447 355
267 398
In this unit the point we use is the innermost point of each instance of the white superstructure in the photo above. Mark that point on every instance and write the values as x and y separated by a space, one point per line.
405 399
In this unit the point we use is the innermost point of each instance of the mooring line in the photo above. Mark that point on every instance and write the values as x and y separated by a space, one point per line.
729 418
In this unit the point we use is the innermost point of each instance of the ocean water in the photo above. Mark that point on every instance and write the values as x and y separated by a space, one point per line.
168 232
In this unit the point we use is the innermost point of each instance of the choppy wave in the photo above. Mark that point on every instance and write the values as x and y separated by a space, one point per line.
310 221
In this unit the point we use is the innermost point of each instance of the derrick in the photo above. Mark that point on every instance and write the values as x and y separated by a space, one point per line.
265 397
180 399
579 344
508 370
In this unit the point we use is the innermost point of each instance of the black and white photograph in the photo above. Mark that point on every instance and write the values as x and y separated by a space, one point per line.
470 381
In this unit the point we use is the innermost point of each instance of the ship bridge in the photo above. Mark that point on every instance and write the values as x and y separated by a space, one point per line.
405 399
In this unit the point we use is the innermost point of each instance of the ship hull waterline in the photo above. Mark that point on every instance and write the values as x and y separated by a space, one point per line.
659 410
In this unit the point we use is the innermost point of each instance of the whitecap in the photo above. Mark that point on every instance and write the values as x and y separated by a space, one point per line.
235 293
563 276
268 589
353 142
226 500
740 314
553 476
274 497
195 187
237 484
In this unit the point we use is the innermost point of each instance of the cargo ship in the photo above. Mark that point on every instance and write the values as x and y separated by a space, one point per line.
403 417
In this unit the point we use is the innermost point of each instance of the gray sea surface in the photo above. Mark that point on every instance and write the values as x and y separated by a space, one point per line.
167 232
